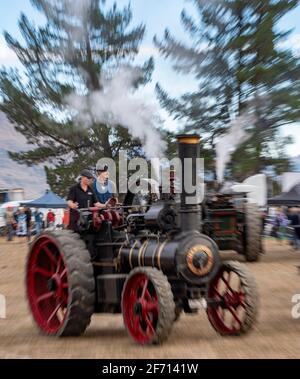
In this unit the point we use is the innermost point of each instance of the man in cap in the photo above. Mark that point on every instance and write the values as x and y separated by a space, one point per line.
82 195
104 188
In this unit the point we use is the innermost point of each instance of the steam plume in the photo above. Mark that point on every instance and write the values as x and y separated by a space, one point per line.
227 144
118 104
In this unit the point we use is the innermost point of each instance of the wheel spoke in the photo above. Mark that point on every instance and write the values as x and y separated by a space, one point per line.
133 296
242 298
53 314
151 306
227 284
136 322
145 288
58 264
234 321
223 313
45 296
50 254
235 316
149 325
217 292
147 295
63 273
43 272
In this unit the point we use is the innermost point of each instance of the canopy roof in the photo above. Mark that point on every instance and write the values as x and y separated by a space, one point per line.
290 198
49 200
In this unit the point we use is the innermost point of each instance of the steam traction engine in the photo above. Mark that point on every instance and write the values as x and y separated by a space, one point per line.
234 224
149 265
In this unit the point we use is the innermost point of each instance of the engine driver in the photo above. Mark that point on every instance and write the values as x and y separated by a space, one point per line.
82 195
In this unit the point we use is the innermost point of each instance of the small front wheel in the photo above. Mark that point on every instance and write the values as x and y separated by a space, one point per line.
232 302
147 305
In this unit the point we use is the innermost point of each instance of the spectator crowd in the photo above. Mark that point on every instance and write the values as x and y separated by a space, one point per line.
286 225
24 223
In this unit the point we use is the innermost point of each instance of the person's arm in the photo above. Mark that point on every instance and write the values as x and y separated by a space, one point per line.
96 202
71 199
72 204
100 205
114 199
114 191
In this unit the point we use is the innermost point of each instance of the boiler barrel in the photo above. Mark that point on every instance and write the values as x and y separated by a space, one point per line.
190 255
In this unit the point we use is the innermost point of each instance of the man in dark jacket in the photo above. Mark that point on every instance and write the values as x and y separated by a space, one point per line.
82 195
28 222
294 217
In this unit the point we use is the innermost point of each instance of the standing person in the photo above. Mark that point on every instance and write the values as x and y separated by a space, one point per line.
28 222
281 223
38 220
81 195
22 224
66 218
295 224
104 188
10 222
50 219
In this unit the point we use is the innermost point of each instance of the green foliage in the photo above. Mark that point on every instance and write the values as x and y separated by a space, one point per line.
238 59
66 55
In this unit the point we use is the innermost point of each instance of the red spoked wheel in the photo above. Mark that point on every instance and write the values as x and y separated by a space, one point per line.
60 285
232 302
147 305
48 288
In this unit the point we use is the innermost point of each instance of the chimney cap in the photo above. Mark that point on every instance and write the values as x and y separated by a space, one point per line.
189 139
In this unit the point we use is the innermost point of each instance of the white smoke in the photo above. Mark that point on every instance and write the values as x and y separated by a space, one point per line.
79 8
117 103
228 143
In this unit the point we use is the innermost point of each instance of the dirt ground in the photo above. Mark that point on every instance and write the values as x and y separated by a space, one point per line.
276 334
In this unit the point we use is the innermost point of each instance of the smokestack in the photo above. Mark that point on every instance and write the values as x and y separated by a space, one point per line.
189 147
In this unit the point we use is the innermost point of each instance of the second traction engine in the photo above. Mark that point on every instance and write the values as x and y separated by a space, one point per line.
149 264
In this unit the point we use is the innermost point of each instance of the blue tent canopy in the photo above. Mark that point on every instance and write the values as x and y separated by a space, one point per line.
49 200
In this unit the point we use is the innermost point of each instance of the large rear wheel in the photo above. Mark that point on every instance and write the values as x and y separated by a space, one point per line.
60 283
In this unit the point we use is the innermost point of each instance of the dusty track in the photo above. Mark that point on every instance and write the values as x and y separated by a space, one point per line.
276 335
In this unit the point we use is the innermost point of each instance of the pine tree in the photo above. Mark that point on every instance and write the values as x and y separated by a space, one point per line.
238 59
79 40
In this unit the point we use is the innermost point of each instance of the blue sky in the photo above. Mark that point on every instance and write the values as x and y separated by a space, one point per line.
157 15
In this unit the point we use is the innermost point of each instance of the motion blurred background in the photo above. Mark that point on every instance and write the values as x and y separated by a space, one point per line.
79 79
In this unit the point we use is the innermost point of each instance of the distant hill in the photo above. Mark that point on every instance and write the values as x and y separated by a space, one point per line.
12 174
